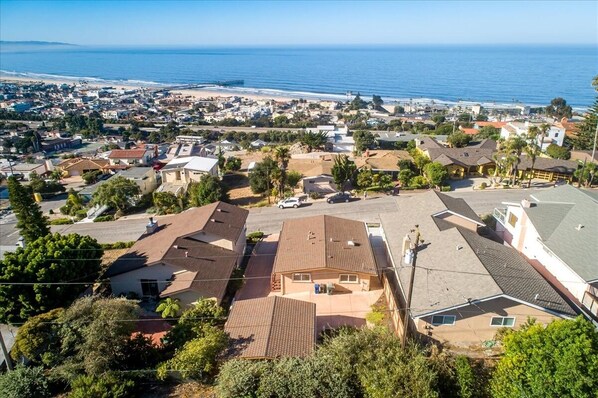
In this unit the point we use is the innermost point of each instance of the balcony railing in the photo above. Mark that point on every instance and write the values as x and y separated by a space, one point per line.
500 214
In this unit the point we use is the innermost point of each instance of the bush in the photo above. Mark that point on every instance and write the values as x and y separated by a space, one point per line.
61 221
445 188
418 182
483 185
466 378
255 237
117 245
376 316
106 386
241 378
81 213
24 383
104 218
315 195
50 211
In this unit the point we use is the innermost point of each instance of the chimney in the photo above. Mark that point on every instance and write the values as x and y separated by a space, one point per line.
151 227
579 227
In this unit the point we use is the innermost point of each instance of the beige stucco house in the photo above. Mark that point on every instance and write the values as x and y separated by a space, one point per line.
188 256
466 285
324 250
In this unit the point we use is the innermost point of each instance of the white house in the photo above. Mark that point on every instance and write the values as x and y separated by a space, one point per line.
189 256
555 135
179 172
558 230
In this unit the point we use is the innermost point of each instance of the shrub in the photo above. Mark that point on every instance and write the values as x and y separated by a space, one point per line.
241 378
376 316
50 211
445 188
418 182
24 383
255 237
61 221
105 386
465 377
315 195
104 218
81 213
483 185
117 245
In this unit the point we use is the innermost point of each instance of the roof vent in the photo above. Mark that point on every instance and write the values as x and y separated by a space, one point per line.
351 243
219 210
536 297
526 204
186 254
579 227
213 219
459 247
175 246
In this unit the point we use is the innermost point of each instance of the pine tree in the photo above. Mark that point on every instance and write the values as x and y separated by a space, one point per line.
30 220
584 139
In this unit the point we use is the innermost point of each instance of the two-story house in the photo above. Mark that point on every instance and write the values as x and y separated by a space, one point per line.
188 256
180 172
558 230
327 251
131 157
466 287
554 135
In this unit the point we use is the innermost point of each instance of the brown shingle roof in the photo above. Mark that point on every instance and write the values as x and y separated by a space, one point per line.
84 163
324 242
548 164
219 218
467 156
272 327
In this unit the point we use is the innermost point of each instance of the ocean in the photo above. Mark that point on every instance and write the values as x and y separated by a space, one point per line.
488 74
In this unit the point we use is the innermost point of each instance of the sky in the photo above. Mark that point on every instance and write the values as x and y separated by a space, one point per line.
264 23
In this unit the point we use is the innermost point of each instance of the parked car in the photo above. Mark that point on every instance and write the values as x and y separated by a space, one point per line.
338 197
290 202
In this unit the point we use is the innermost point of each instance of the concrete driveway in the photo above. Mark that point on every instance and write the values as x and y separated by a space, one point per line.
259 270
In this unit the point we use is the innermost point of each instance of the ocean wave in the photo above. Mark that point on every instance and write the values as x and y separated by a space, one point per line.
97 80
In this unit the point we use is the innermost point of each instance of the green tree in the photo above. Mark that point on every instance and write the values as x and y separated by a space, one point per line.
313 140
37 340
459 139
91 177
489 132
293 178
40 185
74 203
558 152
282 155
118 192
241 378
585 174
514 146
197 358
466 379
189 325
559 109
559 360
535 138
437 119
377 101
166 202
357 103
405 176
24 382
363 140
50 259
108 385
207 190
260 178
364 178
586 131
169 307
30 219
420 161
343 172
435 173
232 164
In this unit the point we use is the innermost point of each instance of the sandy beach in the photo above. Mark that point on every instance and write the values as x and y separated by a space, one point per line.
198 93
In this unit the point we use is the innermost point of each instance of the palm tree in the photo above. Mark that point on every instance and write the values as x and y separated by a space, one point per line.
535 137
515 146
282 155
169 308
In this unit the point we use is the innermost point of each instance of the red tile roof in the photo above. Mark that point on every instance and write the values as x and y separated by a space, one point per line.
127 153
498 125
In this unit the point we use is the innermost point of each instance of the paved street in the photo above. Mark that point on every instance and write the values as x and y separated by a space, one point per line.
269 219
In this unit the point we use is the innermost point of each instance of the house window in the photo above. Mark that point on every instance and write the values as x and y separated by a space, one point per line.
149 288
348 278
301 277
513 220
443 320
556 135
503 321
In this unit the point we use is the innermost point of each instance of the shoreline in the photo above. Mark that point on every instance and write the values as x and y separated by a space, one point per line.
255 94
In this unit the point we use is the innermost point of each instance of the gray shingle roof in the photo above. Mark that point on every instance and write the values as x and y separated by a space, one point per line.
450 270
557 214
514 275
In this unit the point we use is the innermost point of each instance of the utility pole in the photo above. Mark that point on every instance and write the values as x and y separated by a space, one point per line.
5 353
410 257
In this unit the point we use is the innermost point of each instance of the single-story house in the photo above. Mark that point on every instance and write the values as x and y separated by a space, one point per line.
547 168
466 287
381 161
462 162
79 166
272 327
321 184
25 169
188 256
324 251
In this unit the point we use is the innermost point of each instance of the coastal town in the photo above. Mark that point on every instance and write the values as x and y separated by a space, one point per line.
231 230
